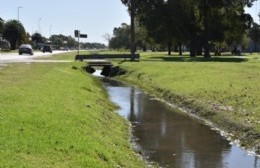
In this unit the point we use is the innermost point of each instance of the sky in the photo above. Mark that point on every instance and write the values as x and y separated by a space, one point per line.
92 17
254 11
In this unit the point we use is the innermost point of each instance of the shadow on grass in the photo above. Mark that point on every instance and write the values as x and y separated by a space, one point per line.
197 59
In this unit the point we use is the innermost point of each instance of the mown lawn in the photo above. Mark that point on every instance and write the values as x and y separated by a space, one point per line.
224 90
71 55
56 115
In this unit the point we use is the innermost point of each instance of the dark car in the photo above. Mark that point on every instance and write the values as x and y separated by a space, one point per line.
46 48
25 49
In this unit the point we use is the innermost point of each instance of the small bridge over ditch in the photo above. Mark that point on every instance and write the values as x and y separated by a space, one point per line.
98 63
125 57
104 60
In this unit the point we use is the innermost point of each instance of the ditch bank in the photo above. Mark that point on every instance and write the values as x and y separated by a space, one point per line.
211 114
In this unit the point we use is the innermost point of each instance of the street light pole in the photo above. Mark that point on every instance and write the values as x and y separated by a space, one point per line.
18 26
18 12
50 30
39 20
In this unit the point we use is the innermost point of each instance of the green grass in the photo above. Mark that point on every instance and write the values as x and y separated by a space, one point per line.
71 55
8 51
55 115
62 56
224 90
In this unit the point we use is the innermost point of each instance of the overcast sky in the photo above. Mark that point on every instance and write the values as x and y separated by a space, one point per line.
92 17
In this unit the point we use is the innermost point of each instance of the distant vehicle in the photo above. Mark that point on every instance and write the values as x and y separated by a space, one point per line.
25 49
66 48
46 48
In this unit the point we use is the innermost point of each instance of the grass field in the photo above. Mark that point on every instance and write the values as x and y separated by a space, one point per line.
224 89
56 115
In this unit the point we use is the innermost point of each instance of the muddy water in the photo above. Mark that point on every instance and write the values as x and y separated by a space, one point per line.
172 139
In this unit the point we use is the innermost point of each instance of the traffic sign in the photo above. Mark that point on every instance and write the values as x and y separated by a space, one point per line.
76 33
83 36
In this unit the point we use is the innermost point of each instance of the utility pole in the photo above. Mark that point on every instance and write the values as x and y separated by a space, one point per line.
132 10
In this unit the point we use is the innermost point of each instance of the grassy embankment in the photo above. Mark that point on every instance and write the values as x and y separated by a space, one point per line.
55 115
223 90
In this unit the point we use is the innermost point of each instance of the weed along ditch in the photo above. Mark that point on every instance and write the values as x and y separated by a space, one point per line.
167 137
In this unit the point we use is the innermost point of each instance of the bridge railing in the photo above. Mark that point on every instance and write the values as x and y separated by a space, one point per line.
107 56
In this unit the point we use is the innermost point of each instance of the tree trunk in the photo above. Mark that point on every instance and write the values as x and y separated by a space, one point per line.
206 31
192 49
132 29
144 48
180 49
13 44
206 50
169 47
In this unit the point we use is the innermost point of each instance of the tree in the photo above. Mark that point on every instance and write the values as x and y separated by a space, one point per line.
37 38
107 37
220 17
57 40
121 37
93 46
71 42
200 23
27 38
254 34
226 18
14 31
1 26
142 40
165 21
156 18
132 9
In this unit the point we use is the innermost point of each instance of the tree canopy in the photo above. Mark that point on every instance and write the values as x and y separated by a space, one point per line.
121 37
199 24
254 34
37 38
1 25
14 32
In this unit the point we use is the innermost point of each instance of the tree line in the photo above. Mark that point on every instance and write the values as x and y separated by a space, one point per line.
15 34
202 26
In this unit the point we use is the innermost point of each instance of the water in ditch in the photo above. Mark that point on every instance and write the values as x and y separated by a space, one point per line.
172 139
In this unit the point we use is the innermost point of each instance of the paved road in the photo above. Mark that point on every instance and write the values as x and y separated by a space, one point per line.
15 57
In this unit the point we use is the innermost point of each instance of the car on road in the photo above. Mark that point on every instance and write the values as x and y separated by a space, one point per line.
25 49
46 48
66 49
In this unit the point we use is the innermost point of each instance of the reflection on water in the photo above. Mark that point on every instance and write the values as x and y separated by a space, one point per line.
173 139
97 73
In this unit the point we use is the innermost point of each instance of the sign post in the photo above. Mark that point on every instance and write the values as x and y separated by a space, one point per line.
77 34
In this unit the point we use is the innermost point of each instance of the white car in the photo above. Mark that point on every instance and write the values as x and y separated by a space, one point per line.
25 48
